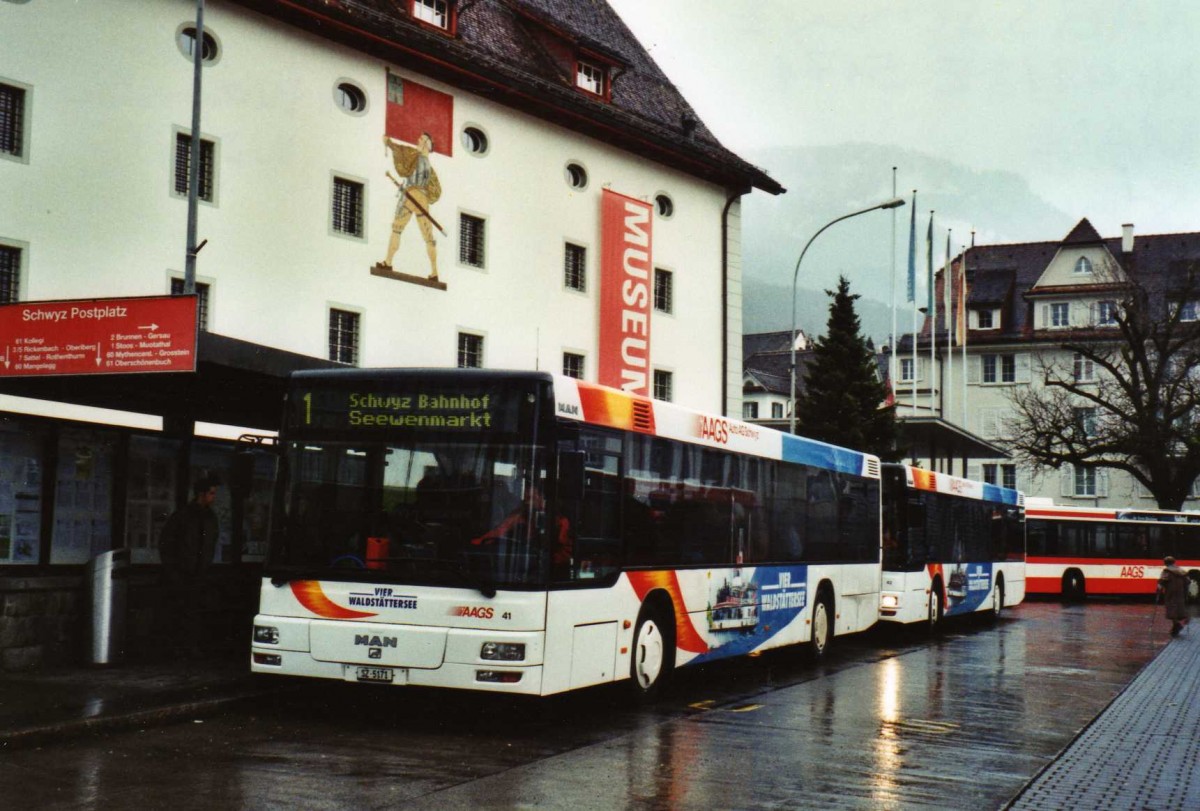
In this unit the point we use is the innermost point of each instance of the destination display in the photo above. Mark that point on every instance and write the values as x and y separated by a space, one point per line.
98 336
363 409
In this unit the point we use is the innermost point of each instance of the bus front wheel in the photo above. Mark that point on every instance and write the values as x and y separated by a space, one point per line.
934 618
653 653
822 627
1074 589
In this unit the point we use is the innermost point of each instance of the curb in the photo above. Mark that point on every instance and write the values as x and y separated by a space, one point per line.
154 716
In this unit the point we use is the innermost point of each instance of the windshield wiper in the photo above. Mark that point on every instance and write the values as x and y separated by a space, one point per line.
454 567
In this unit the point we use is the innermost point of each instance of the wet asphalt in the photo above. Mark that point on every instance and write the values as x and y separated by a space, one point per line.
891 719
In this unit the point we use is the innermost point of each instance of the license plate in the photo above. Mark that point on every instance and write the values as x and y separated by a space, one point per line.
385 675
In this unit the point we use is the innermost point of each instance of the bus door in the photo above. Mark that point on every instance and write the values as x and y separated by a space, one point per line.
591 502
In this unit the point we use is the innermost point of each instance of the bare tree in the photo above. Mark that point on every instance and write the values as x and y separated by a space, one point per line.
1122 392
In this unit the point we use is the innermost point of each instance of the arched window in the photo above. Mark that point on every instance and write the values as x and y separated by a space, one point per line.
1083 265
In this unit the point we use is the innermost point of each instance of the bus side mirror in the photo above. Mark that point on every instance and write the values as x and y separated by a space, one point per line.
571 474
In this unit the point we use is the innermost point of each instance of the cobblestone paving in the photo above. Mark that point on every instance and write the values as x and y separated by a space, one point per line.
1141 752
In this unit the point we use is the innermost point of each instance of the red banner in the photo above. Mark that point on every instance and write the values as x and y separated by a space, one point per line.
98 336
626 290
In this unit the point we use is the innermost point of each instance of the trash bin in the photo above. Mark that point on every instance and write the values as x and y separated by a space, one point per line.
108 593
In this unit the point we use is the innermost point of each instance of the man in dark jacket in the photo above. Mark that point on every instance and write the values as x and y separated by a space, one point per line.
187 546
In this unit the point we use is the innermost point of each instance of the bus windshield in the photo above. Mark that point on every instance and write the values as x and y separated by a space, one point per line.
449 513
413 476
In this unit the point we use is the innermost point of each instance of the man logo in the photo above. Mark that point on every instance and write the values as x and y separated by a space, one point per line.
375 653
370 641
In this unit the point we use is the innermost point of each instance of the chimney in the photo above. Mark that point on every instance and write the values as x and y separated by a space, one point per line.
1127 238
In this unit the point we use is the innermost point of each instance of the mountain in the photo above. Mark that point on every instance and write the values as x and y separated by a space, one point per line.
826 182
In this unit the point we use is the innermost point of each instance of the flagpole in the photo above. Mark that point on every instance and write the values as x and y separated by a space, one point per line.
965 328
912 298
948 311
932 308
892 361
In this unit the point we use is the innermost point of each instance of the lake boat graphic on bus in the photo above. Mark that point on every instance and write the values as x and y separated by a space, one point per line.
735 606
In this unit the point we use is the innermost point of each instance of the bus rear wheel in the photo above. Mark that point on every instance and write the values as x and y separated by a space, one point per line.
822 628
1074 589
998 599
653 654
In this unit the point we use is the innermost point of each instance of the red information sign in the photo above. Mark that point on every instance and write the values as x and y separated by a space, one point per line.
98 336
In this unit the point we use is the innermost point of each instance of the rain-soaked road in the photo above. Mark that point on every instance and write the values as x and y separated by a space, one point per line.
890 720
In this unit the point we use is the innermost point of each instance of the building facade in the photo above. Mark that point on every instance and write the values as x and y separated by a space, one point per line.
381 183
1024 301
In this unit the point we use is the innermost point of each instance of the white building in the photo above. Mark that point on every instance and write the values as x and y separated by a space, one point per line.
535 110
1024 301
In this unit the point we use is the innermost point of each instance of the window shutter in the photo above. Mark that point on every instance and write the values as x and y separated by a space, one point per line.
974 368
1045 316
1022 479
973 319
1067 480
1023 370
1102 483
975 471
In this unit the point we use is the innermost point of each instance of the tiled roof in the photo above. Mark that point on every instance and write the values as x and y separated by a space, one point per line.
755 342
500 53
1004 274
1082 234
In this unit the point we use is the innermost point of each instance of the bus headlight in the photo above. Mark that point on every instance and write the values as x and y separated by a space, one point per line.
266 634
889 601
503 651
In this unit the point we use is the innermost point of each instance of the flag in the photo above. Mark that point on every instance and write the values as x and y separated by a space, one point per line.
414 109
912 252
961 325
948 293
929 266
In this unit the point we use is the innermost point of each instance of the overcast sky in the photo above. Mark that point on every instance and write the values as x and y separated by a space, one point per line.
1096 103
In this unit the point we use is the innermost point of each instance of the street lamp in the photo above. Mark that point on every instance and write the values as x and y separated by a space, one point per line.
895 202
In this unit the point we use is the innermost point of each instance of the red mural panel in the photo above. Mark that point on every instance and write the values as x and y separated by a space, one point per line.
413 109
625 292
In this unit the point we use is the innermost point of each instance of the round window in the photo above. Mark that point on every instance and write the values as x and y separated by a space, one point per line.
576 176
350 97
186 40
474 140
664 206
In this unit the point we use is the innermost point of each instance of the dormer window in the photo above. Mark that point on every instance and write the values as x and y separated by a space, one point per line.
1106 314
590 76
437 13
1083 266
985 318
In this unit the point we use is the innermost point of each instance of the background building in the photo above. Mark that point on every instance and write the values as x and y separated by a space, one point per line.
508 124
1024 301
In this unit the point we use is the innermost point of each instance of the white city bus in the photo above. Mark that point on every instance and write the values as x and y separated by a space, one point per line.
951 546
525 533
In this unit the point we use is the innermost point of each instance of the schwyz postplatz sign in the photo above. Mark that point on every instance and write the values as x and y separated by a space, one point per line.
98 336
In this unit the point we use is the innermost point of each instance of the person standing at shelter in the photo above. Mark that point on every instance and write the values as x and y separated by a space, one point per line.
187 546
1173 586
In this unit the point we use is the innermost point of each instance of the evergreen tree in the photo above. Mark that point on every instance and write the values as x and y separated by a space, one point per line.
843 402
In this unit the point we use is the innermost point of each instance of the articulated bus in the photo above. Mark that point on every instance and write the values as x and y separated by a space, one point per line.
1079 551
951 546
526 533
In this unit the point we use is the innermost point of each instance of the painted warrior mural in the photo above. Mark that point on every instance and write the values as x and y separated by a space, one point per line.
418 189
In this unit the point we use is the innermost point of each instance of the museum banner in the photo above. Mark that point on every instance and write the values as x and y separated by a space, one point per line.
625 293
